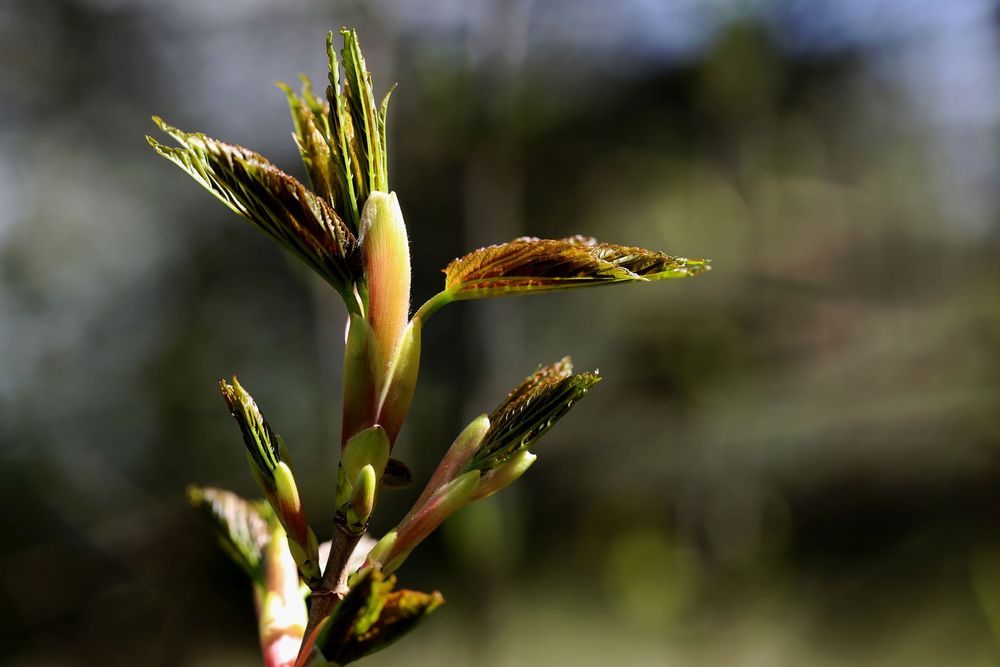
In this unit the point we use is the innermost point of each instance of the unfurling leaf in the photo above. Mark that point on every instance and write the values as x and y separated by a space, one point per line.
260 440
371 616
531 410
539 265
241 526
357 129
312 136
271 199
365 115
504 474
265 451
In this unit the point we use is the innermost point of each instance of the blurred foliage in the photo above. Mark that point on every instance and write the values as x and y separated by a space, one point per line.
790 461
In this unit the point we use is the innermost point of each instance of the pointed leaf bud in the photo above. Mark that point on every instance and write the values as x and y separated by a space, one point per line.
387 268
359 379
422 520
401 381
301 540
457 456
363 497
261 442
504 474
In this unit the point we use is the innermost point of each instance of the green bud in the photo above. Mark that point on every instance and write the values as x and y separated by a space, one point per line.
359 379
301 539
289 509
504 474
401 381
387 269
363 497
369 447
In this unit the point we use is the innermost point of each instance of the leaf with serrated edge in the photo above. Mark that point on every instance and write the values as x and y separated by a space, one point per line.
538 265
312 137
261 441
530 410
241 526
364 113
271 199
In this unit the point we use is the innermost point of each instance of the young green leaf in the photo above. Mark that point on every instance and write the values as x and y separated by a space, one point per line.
266 451
530 411
539 265
357 129
312 136
271 199
241 526
260 440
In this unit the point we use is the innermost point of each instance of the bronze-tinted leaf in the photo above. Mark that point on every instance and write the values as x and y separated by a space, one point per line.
402 611
312 136
530 410
538 265
241 526
371 616
271 199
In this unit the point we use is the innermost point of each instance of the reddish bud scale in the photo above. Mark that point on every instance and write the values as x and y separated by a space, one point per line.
387 270
400 382
360 391
419 524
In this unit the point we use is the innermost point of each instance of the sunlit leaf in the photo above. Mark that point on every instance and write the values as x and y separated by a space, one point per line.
313 138
261 442
271 199
241 526
530 410
357 136
365 115
539 265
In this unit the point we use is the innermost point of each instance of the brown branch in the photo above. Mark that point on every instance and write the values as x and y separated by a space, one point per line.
333 587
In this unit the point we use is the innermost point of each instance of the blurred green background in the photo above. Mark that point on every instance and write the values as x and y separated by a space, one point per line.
793 460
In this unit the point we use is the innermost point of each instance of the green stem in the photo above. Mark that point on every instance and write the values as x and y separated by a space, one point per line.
432 305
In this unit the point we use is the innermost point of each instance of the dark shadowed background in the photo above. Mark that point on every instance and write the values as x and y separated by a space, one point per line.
792 460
